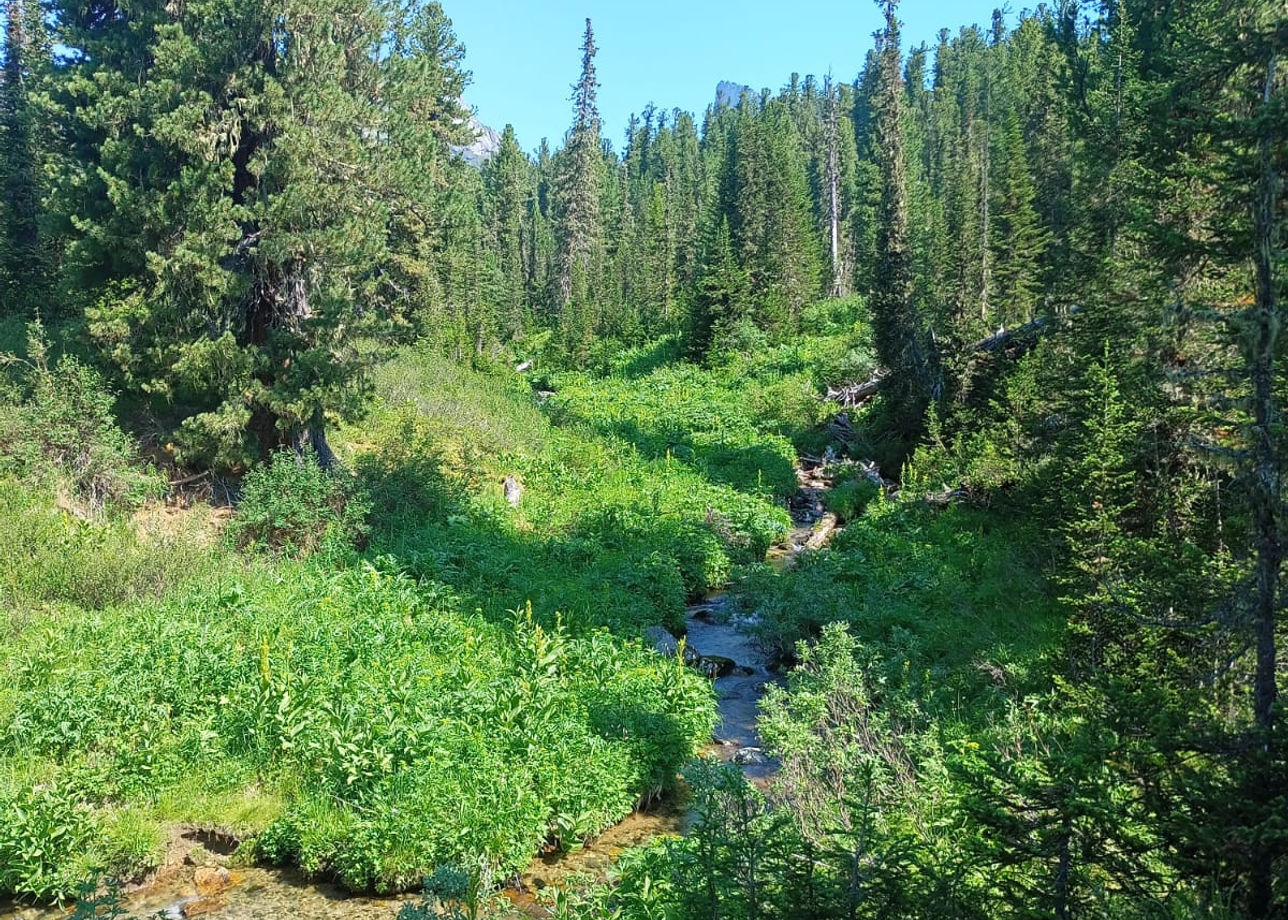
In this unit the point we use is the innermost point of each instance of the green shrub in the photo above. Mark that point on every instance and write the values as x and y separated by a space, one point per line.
293 507
837 317
58 418
46 843
848 498
49 556
687 415
956 593
606 532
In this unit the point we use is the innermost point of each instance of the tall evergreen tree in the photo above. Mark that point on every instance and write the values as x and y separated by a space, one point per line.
833 189
1018 238
1222 147
507 184
20 255
721 299
901 340
579 182
256 168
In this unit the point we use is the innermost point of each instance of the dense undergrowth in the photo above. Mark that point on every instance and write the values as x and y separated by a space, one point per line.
362 700
339 673
955 591
603 532
380 730
741 419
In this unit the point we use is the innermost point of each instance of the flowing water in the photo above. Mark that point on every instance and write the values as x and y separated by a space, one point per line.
741 673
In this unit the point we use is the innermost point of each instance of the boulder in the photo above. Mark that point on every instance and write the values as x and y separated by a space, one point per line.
716 666
212 880
665 643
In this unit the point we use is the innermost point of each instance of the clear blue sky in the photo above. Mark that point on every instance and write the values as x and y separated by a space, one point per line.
525 55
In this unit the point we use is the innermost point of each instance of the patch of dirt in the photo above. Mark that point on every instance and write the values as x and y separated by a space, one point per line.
202 523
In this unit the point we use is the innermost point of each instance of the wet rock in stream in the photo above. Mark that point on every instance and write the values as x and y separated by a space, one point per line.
716 666
740 671
213 881
750 757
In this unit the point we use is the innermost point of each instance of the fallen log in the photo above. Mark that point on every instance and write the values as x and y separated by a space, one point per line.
856 394
1003 337
823 531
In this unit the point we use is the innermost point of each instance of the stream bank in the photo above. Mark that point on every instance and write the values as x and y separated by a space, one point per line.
717 642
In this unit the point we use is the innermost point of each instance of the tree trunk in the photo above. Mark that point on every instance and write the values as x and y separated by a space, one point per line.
834 191
1267 491
312 437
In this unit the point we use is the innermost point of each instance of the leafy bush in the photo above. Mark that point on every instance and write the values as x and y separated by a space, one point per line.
58 417
838 317
956 593
684 414
848 497
854 825
46 835
292 506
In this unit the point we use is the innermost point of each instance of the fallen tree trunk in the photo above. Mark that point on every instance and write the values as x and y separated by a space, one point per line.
1004 337
856 394
822 532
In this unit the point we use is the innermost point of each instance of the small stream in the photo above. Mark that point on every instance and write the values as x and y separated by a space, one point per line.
741 673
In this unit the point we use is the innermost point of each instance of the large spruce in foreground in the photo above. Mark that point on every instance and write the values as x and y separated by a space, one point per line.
254 171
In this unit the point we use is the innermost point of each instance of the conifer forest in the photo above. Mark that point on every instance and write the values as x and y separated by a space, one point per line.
864 498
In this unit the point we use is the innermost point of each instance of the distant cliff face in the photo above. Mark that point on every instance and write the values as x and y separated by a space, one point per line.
487 141
730 94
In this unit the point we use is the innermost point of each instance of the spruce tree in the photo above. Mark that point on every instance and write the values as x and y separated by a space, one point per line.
260 171
721 299
1226 127
1018 239
833 189
506 181
20 268
902 343
579 180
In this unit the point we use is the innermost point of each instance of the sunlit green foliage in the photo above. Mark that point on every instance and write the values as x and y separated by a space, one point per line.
603 532
396 733
57 424
955 592
293 506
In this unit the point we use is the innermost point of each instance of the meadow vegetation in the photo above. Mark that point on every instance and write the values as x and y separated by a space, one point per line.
339 673
348 484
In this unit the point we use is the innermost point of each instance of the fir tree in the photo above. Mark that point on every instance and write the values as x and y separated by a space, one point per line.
722 293
258 168
1227 114
901 341
833 190
579 182
507 181
20 261
1018 237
